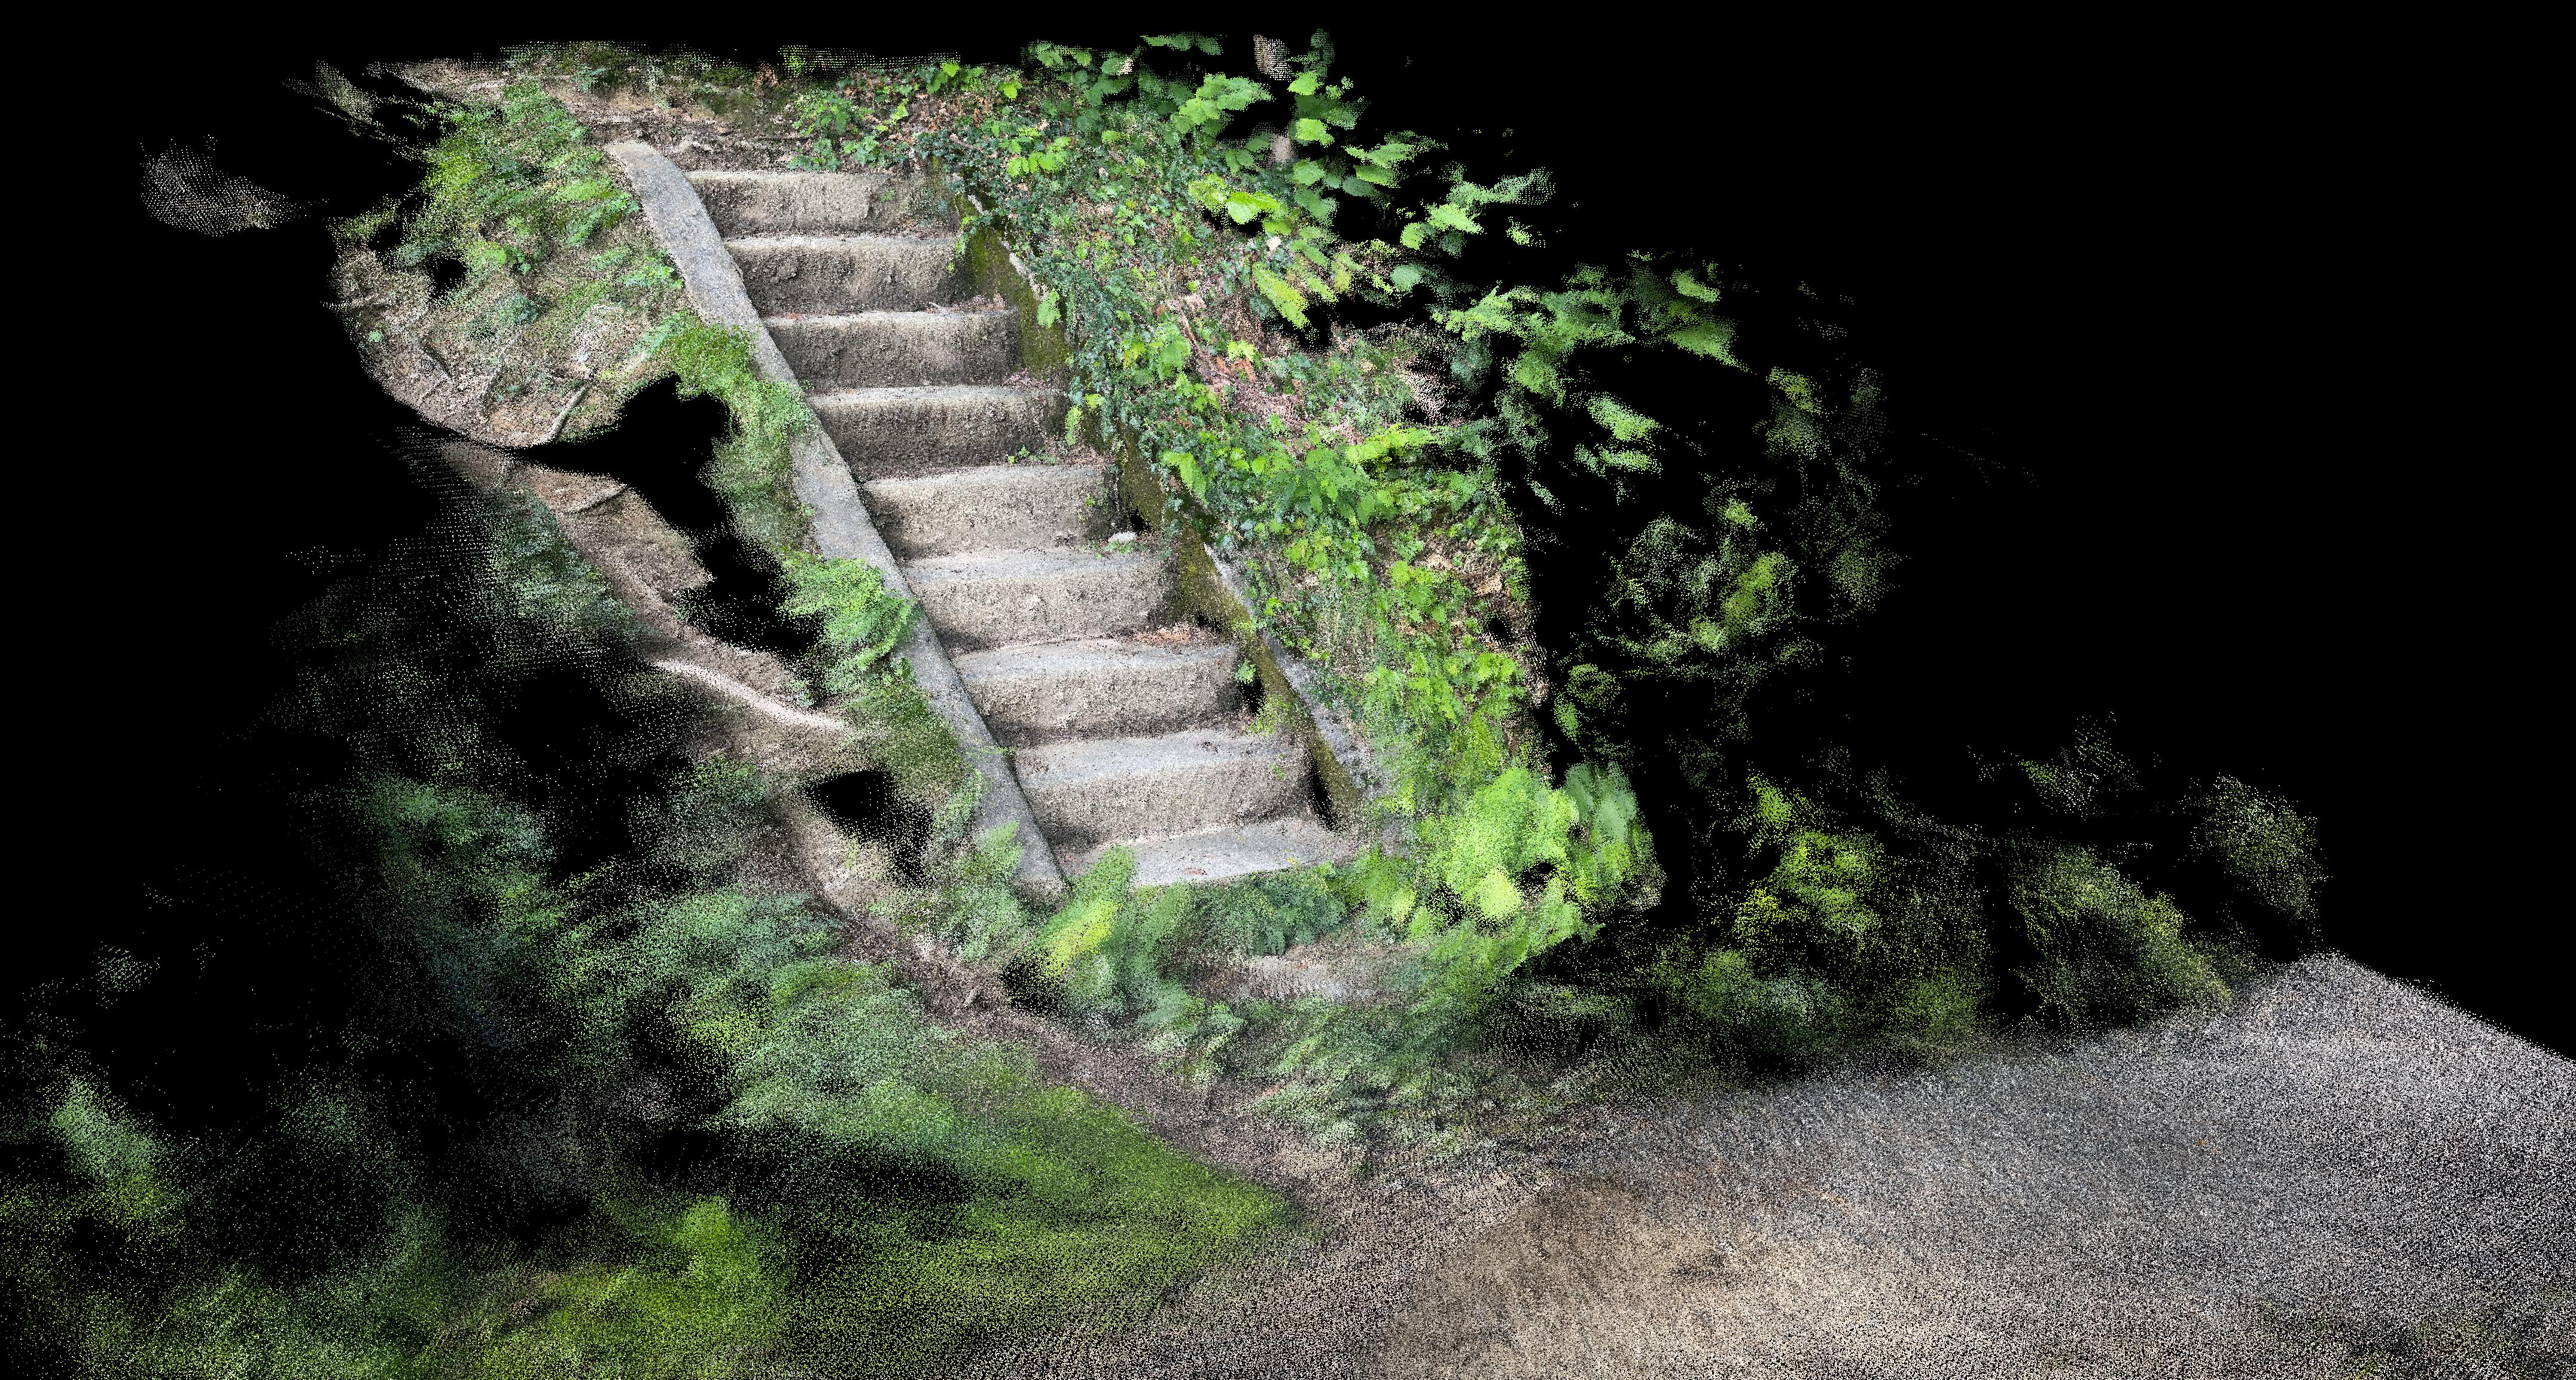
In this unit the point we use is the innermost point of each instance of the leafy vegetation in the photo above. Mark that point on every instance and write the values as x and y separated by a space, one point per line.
595 1099
571 1017
1215 249
517 268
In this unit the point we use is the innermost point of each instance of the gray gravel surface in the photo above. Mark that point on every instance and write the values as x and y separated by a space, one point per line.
2335 1175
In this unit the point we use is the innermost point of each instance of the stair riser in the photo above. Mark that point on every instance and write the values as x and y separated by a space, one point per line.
1104 701
1100 809
905 435
900 350
1005 611
817 203
893 274
928 518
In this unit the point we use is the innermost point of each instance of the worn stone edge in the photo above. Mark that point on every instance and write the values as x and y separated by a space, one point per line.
1352 776
841 527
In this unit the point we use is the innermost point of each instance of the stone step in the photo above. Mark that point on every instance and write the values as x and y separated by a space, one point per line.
1103 790
990 508
902 431
810 203
1273 845
985 599
847 273
1099 688
883 349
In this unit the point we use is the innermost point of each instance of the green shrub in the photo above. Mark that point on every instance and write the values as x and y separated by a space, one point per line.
512 184
863 621
752 464
704 1298
1071 1212
2268 849
2106 951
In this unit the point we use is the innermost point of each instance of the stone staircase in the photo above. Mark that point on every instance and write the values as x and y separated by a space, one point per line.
1125 721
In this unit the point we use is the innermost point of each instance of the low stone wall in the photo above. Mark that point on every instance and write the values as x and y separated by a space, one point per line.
1210 586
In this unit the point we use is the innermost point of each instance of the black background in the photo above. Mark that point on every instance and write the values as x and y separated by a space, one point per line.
2246 314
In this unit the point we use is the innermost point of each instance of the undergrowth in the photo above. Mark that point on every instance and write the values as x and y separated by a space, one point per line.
571 1020
697 1140
1197 236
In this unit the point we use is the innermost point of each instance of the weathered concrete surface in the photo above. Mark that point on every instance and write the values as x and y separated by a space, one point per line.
900 431
843 273
802 203
1214 855
990 508
840 527
2335 1176
895 349
1004 598
1099 688
1351 772
1104 789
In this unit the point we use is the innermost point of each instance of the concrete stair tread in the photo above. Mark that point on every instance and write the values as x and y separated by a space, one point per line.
929 393
858 349
875 271
1025 563
775 201
979 599
840 239
990 507
973 479
1099 687
916 429
1043 658
1090 791
1093 759
1214 855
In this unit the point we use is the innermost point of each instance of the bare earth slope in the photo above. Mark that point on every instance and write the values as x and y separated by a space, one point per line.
2337 1175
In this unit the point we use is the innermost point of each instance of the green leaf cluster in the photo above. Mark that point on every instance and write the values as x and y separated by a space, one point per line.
512 185
863 621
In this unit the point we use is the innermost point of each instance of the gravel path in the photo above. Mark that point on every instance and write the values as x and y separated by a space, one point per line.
2337 1175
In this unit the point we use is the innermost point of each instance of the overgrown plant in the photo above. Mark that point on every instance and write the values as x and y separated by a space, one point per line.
1195 233
518 262
560 978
